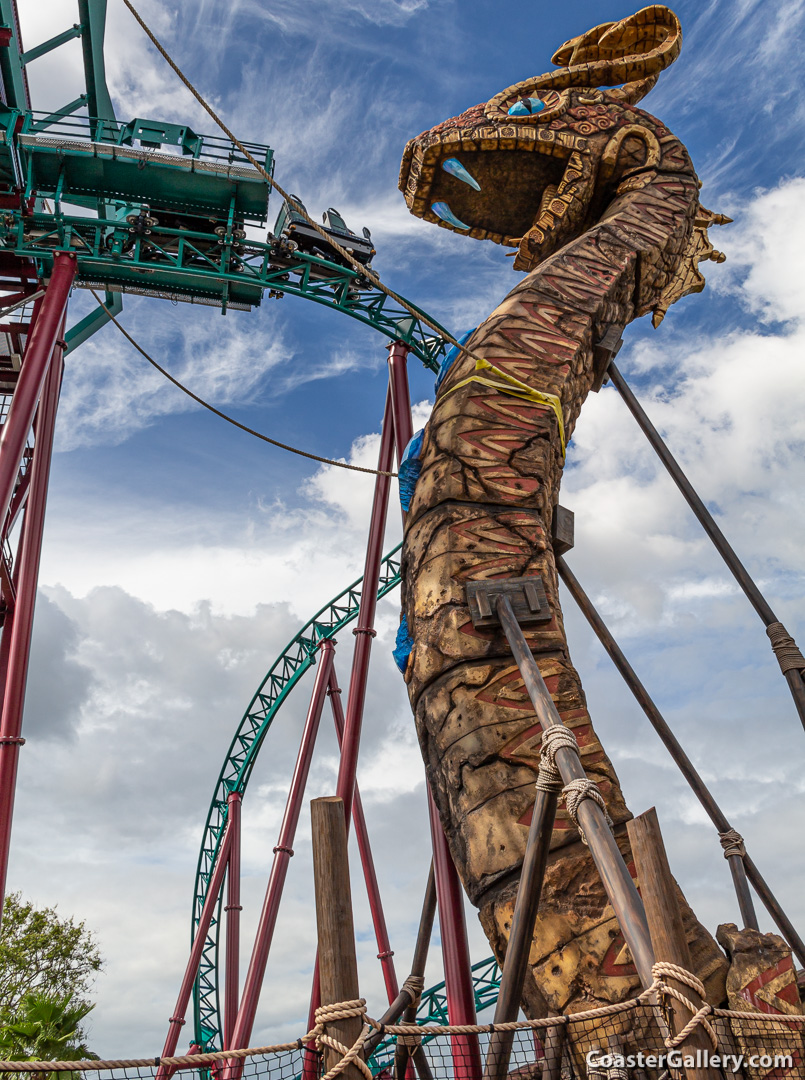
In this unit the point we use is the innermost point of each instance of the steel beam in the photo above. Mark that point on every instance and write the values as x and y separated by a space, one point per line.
233 910
36 359
16 637
177 1020
385 953
364 632
455 952
242 1030
706 520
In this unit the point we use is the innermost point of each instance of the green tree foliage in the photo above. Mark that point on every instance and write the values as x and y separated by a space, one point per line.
44 955
47 1027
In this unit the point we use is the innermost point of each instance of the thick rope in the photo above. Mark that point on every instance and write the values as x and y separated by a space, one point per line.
364 271
414 985
660 971
575 793
700 1014
343 1010
732 842
785 648
223 415
549 778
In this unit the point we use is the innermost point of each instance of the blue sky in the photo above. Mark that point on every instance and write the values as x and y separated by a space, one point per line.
181 555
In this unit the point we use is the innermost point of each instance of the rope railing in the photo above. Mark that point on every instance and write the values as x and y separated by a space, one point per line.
788 1025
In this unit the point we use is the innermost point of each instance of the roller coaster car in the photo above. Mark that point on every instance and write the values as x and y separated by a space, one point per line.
291 226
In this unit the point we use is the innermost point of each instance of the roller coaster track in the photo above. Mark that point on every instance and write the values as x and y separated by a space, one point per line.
283 675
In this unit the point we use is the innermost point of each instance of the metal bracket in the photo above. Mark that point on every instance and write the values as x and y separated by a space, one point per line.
604 352
527 596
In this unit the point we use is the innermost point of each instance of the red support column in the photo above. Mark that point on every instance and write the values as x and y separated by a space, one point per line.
177 1020
400 396
233 910
385 953
455 951
16 639
36 360
450 896
365 631
244 1022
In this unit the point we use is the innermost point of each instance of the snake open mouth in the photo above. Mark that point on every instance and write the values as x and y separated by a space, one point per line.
534 165
489 181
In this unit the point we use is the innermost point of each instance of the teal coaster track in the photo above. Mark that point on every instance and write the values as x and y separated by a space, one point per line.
283 675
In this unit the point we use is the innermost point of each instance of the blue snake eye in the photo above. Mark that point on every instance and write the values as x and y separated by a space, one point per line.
527 107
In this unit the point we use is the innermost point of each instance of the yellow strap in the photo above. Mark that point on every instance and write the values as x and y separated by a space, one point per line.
516 389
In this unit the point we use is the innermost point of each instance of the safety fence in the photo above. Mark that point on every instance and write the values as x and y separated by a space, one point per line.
618 1042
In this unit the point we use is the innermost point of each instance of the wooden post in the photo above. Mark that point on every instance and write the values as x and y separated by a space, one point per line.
338 967
658 890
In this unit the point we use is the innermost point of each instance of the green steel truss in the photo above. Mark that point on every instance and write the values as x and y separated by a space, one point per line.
282 677
194 267
177 216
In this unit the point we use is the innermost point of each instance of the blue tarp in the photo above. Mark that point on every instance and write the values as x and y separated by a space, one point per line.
403 645
451 357
410 468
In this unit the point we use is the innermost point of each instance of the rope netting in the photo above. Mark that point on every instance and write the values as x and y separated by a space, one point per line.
630 1039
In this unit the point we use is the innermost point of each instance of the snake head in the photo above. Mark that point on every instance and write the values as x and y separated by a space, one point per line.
536 165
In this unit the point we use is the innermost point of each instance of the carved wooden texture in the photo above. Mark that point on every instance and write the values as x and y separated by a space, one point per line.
491 468
762 979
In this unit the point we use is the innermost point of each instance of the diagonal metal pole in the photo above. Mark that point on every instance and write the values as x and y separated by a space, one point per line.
364 632
385 954
418 964
521 934
247 1011
615 877
741 867
177 1020
791 667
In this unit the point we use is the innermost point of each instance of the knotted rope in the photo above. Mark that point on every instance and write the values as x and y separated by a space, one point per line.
575 793
549 778
414 985
673 971
732 842
785 648
343 1010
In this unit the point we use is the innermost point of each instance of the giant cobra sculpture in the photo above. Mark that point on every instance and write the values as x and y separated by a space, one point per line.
601 204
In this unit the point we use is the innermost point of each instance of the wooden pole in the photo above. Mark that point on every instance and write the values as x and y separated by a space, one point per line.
338 966
658 890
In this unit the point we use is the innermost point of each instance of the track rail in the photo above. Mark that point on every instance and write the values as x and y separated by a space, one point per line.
283 675
194 267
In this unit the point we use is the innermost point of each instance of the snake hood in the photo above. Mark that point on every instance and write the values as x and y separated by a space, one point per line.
539 163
